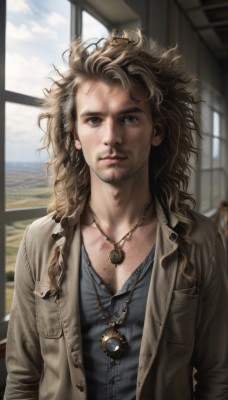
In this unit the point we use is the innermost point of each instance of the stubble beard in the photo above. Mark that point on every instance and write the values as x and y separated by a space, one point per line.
118 178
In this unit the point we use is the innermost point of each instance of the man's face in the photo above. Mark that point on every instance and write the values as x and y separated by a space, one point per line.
114 131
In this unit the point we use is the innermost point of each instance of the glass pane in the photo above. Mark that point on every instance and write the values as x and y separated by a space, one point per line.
92 28
216 124
216 188
206 151
206 115
37 33
222 126
25 182
216 152
14 233
223 153
205 193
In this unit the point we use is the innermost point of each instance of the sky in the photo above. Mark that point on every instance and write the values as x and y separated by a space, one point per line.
37 34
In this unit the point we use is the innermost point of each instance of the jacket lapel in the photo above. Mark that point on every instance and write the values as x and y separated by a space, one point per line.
68 302
159 296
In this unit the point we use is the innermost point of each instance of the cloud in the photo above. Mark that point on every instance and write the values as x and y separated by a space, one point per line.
26 75
55 19
29 32
23 137
18 6
18 33
43 30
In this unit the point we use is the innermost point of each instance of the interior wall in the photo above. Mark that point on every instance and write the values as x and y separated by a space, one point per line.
140 7
165 22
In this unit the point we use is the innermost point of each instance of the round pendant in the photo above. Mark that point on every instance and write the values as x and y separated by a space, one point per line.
113 344
116 256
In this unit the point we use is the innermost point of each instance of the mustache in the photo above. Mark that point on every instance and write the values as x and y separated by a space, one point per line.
113 153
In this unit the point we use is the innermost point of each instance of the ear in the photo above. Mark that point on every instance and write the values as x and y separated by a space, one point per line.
158 133
77 142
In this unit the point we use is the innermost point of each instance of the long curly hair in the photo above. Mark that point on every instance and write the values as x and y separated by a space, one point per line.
124 59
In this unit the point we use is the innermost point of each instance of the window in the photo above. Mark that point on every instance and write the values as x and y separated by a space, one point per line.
213 148
91 28
37 33
24 166
13 233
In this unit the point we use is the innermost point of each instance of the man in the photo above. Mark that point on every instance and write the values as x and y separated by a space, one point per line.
121 290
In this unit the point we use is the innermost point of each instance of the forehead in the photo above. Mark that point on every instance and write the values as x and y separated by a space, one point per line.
98 92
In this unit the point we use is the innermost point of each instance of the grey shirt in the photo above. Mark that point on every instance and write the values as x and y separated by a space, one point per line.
109 379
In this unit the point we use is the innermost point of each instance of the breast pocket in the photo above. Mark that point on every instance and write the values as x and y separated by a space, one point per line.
47 313
181 317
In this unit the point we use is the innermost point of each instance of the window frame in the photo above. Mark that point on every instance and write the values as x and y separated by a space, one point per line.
215 103
13 215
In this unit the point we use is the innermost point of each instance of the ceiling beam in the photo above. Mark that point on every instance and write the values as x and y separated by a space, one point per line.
208 7
213 25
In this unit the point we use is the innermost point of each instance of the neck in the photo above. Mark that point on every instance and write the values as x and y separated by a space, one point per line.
124 200
117 209
116 205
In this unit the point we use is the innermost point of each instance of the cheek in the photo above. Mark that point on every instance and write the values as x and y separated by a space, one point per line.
85 145
80 138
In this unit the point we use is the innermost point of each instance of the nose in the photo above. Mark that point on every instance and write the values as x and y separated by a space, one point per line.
112 133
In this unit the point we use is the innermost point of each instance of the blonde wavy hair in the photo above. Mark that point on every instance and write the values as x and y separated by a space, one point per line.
123 59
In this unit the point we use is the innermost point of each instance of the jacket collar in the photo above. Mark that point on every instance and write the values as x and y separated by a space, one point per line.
68 221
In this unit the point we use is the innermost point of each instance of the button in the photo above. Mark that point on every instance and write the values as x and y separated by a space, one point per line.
79 387
173 236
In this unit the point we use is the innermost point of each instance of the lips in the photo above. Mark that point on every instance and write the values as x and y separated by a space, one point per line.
116 157
113 157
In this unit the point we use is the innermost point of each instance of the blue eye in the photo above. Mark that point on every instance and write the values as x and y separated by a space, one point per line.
93 120
130 119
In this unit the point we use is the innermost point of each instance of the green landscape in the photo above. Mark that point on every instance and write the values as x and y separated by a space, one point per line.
25 187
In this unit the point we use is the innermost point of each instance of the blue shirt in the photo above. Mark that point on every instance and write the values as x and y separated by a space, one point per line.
109 379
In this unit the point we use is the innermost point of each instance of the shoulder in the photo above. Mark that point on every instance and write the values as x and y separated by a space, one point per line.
207 246
34 250
41 228
38 236
202 228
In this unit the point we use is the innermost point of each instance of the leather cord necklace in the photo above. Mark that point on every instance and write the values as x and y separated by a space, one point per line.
117 255
114 343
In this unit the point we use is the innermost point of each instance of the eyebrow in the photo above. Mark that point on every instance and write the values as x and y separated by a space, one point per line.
130 110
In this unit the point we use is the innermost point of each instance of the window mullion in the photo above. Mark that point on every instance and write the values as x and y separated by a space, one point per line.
2 155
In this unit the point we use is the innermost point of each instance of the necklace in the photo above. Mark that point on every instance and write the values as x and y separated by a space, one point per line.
117 255
114 343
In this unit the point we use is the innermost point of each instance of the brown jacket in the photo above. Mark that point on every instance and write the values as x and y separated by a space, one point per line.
185 327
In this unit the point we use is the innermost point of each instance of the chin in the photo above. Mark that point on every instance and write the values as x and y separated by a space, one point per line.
114 180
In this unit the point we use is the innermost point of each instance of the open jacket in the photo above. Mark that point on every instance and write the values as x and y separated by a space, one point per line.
186 328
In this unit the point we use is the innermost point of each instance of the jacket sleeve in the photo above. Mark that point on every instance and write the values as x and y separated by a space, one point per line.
211 343
23 357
